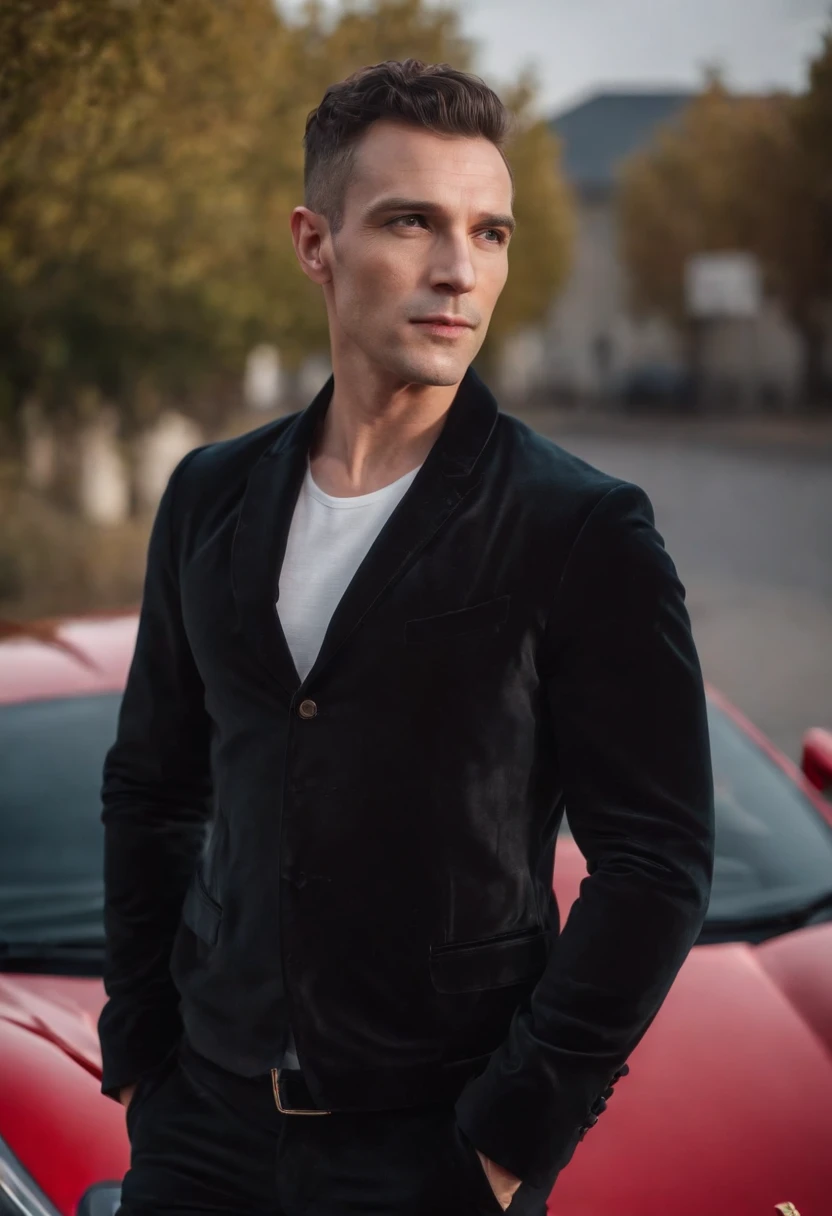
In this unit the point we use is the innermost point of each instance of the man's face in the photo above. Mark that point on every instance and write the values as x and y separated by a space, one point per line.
420 260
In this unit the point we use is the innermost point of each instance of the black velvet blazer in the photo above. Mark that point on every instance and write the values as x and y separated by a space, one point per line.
368 854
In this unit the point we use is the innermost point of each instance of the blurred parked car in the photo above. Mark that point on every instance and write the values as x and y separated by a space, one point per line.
656 388
728 1104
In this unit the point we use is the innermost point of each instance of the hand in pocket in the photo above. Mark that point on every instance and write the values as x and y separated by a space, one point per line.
502 1183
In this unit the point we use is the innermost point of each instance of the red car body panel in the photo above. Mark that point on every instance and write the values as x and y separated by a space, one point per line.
728 1103
52 1114
66 658
727 1107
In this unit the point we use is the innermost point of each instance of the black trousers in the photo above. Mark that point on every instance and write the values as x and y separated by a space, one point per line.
205 1142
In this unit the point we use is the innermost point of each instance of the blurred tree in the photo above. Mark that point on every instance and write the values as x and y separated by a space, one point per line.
541 248
150 156
130 232
739 173
688 193
798 248
814 125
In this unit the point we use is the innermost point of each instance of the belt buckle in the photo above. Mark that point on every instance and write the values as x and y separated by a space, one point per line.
285 1110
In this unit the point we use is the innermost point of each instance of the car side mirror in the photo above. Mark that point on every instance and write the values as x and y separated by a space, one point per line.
816 760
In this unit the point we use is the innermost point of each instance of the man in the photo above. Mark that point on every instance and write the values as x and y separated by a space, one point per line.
383 643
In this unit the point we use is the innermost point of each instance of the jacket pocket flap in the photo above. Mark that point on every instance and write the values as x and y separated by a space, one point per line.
492 963
201 913
486 615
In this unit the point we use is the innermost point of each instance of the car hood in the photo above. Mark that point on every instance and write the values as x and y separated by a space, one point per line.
728 1103
63 1010
53 1118
726 1108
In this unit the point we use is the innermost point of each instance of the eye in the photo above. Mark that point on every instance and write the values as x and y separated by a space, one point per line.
403 221
496 233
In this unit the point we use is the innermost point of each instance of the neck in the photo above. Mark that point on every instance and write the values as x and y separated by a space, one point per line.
375 430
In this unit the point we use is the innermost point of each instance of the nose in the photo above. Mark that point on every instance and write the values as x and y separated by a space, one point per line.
453 268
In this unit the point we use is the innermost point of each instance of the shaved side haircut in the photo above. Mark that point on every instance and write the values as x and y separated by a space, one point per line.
435 97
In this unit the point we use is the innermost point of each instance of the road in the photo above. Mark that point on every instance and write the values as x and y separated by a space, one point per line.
748 522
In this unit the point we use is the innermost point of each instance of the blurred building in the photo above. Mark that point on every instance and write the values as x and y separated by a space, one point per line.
593 347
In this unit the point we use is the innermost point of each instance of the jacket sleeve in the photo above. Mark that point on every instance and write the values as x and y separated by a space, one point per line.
622 679
156 801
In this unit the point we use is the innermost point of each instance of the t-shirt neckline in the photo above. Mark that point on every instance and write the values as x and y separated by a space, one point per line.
356 500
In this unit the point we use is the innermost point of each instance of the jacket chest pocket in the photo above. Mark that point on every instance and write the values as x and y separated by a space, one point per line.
483 618
493 962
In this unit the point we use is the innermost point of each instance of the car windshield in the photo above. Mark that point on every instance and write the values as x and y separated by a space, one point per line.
51 862
773 850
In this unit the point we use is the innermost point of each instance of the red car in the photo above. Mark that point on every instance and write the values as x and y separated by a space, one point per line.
728 1105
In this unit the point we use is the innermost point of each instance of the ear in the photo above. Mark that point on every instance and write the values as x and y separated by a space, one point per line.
310 234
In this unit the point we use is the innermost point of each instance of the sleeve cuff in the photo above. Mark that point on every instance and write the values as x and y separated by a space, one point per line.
134 1040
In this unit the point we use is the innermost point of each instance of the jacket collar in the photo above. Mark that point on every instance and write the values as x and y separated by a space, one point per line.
447 476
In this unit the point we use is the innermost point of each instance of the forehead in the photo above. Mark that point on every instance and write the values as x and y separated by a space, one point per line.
452 170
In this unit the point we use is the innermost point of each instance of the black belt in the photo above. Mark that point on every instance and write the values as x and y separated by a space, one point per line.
284 1091
291 1093
281 1089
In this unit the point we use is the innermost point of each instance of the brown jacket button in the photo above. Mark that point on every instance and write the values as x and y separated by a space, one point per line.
307 709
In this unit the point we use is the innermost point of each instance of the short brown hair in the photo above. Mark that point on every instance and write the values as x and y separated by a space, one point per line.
433 96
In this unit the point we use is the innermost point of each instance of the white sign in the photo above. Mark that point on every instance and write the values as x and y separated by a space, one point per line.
723 285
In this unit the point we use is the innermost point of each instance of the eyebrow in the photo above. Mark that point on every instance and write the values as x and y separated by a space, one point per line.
412 205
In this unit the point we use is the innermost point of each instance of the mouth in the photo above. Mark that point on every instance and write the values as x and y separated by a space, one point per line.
442 325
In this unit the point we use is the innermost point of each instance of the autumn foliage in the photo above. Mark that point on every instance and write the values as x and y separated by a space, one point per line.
740 173
150 156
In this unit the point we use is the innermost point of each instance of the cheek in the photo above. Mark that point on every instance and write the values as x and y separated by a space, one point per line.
491 279
376 282
396 265
496 275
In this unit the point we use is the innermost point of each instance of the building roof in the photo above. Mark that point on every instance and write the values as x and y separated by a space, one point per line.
601 131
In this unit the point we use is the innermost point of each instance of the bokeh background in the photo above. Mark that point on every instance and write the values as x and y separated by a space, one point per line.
668 315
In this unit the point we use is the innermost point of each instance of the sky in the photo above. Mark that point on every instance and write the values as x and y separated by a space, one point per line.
578 46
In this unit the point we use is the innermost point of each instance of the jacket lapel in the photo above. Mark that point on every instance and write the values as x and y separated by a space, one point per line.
448 475
261 536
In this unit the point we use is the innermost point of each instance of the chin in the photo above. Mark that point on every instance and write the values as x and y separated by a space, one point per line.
438 371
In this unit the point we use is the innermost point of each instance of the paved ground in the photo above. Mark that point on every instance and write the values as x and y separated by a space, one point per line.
746 513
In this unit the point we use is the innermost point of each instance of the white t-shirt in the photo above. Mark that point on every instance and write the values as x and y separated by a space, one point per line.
328 539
